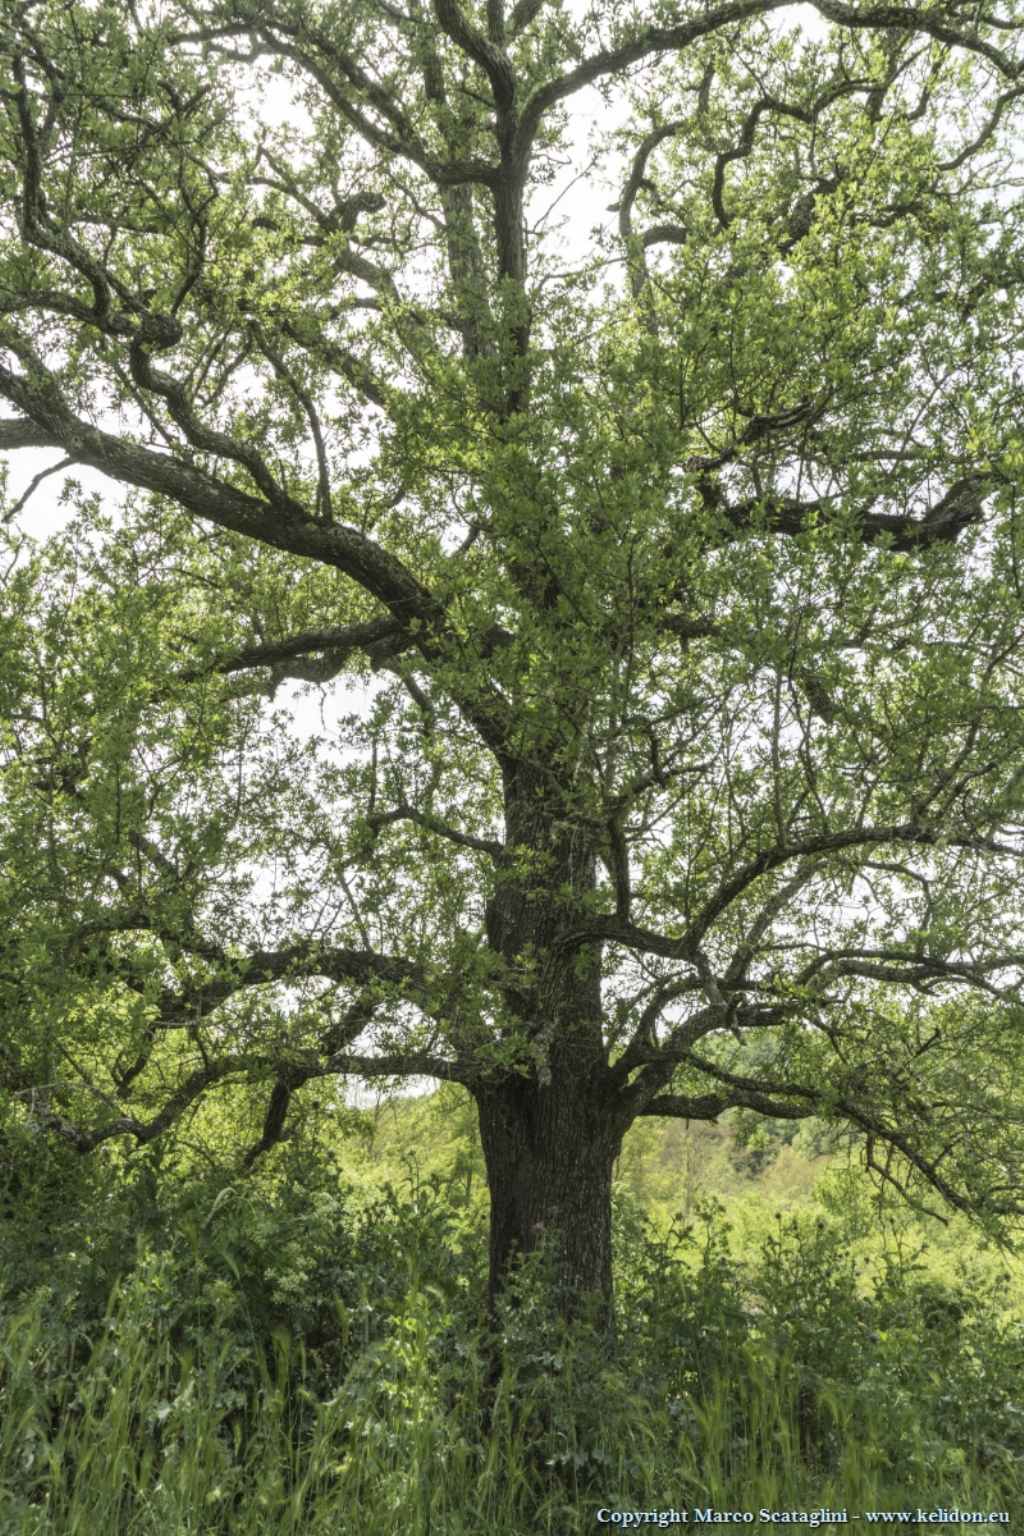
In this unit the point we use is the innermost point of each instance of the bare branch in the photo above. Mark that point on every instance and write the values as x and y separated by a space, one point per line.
435 824
335 645
33 486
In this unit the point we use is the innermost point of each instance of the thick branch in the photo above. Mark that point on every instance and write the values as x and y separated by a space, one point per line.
491 58
273 1122
346 548
613 61
654 40
300 961
959 508
710 1106
408 1064
904 18
335 644
86 1139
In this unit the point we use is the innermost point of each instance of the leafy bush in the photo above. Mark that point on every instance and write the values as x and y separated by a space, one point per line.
276 1355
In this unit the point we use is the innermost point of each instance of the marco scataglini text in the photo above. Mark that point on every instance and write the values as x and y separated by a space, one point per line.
630 1519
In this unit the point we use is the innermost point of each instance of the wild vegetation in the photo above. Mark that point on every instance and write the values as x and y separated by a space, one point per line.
308 1348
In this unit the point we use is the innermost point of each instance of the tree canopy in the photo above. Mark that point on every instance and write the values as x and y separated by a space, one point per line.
663 578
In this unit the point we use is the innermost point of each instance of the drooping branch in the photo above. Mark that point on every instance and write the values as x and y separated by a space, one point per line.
239 1067
88 1138
50 422
764 1096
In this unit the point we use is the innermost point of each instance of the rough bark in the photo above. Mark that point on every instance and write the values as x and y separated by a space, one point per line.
549 1151
551 1135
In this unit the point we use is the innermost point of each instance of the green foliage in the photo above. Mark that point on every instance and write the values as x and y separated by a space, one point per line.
203 1398
586 674
661 591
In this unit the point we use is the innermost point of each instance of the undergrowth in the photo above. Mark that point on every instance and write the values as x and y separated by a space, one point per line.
274 1359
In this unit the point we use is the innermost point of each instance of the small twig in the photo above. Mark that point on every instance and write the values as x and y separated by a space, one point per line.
43 474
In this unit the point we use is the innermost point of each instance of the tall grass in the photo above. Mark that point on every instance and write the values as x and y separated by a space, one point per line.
140 1427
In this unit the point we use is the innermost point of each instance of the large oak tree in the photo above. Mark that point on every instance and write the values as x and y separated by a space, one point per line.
675 565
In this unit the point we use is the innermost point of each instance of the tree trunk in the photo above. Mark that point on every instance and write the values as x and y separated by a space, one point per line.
552 1128
549 1151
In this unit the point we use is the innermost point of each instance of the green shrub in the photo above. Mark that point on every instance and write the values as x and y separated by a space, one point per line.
275 1355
